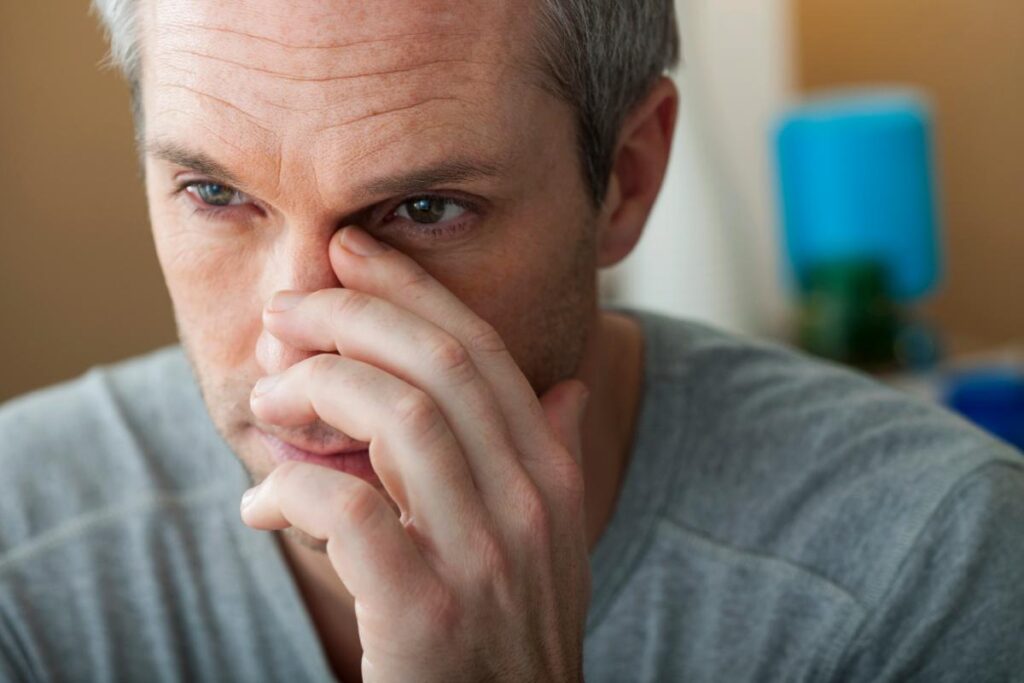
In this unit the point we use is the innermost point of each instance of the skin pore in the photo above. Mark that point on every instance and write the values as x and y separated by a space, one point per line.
294 123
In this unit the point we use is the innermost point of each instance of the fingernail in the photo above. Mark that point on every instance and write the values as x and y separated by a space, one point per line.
265 384
360 243
284 301
249 496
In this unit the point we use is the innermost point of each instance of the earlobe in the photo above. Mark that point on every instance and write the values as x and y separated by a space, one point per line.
641 159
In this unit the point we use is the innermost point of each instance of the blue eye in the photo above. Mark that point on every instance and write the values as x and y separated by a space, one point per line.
215 194
428 210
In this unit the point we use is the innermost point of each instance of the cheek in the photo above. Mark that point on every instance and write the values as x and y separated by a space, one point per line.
212 281
536 287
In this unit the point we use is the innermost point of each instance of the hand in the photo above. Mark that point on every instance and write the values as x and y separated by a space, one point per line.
485 573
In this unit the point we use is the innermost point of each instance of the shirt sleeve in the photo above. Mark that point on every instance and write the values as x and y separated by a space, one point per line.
955 611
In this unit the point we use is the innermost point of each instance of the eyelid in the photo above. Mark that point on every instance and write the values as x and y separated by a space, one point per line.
184 181
213 211
387 208
239 200
182 184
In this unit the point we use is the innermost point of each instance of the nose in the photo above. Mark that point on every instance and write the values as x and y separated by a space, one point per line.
298 262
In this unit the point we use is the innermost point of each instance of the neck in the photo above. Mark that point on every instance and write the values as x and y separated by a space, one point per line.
611 368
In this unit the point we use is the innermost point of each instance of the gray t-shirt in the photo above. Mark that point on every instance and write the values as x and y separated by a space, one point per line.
780 520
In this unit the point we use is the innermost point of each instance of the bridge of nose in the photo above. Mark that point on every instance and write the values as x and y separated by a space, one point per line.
297 261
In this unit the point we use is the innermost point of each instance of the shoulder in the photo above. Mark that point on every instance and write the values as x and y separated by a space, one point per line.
134 386
120 435
119 508
800 478
786 457
954 608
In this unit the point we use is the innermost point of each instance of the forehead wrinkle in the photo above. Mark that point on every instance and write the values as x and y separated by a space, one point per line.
198 124
396 53
380 142
336 99
221 102
328 108
324 79
385 112
259 53
314 46
405 65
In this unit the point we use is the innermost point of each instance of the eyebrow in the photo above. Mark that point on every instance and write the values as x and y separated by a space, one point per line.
196 161
419 180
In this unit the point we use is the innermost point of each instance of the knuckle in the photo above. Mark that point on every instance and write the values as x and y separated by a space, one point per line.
417 413
414 277
318 298
452 358
534 515
321 364
280 476
491 577
282 472
358 505
481 337
345 303
495 563
570 482
444 612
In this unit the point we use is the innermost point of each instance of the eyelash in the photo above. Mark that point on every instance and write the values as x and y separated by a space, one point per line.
424 229
205 210
433 230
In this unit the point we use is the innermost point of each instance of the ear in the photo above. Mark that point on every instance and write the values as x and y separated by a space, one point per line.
638 170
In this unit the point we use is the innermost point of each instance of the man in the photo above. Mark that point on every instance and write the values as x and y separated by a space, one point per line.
380 225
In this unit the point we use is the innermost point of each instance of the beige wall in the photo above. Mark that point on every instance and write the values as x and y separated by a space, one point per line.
79 281
969 54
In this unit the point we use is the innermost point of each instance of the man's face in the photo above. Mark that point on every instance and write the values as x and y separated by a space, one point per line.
268 126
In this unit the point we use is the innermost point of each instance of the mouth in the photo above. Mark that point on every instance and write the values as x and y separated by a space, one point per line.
354 460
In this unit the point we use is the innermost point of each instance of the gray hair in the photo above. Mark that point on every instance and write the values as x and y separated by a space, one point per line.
601 56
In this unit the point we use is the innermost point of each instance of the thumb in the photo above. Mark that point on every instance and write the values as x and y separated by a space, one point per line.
564 406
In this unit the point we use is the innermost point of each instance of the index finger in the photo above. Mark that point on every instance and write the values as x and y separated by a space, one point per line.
391 275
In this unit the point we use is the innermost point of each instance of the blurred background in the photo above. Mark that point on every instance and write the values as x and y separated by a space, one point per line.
80 284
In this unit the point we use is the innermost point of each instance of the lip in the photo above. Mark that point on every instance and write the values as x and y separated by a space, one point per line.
354 461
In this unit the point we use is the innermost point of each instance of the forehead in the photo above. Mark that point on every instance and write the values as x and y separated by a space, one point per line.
317 85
